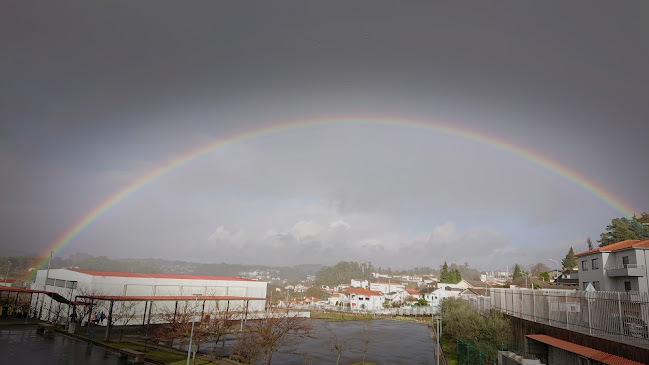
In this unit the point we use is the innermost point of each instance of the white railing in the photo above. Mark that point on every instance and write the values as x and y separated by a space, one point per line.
621 315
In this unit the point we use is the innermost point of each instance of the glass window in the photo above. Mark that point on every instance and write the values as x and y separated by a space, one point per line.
627 285
585 284
596 285
60 283
71 284
584 265
595 264
625 260
50 281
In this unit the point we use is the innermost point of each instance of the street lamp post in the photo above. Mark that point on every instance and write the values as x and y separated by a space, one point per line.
191 336
556 273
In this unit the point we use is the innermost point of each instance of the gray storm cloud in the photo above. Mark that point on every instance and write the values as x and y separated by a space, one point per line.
95 96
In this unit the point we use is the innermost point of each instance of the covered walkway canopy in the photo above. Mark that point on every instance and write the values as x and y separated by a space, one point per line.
91 299
56 296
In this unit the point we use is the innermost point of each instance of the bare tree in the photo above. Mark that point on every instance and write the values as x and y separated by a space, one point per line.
92 305
124 312
280 329
219 322
538 268
179 325
338 344
366 337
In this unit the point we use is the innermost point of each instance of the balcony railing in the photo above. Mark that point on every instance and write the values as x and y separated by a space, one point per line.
625 270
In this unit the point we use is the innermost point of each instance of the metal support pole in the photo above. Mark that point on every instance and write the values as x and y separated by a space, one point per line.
15 303
146 304
175 311
567 324
148 321
590 327
49 312
29 309
47 276
246 315
619 307
109 321
437 341
534 306
549 309
92 302
191 336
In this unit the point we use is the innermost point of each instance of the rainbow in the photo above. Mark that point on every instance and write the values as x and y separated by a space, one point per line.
98 211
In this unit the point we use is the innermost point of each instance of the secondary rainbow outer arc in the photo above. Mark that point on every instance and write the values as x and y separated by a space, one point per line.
94 214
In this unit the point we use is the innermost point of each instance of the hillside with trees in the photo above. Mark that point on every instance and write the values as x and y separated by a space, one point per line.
344 272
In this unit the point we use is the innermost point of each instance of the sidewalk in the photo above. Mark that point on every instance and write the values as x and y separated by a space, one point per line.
11 321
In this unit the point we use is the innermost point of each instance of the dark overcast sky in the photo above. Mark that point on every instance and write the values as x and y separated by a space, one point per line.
94 95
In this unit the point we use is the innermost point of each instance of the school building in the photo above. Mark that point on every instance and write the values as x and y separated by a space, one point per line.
152 294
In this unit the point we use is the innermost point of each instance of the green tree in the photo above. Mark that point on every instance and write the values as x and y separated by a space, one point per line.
622 229
644 218
444 275
545 276
315 292
456 276
569 261
450 276
485 333
517 272
590 243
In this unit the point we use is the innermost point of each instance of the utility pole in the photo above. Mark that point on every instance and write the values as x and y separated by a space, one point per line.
47 276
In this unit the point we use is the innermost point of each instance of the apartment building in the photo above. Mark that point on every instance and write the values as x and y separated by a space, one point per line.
621 266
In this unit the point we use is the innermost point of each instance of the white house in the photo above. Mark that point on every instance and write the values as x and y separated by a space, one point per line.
387 288
359 284
144 288
334 298
434 297
363 299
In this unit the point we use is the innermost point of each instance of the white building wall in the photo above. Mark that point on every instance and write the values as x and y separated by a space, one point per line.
142 286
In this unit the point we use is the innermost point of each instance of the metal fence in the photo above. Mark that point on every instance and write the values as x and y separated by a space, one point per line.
619 315
403 311
467 354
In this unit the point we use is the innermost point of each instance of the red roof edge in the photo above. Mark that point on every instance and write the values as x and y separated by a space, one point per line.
601 356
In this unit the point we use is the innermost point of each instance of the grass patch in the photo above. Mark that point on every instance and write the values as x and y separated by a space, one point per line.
184 362
449 351
151 353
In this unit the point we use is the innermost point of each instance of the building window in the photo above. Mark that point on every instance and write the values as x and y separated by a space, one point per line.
596 285
595 264
584 265
625 261
50 281
627 285
585 284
